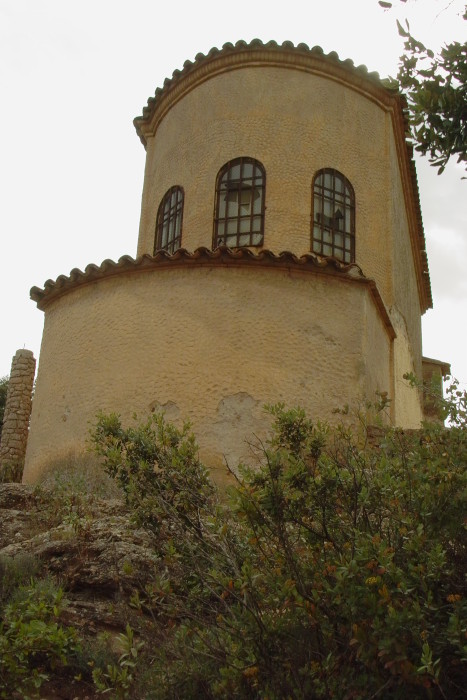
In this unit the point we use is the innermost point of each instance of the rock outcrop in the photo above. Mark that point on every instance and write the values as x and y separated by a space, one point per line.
90 547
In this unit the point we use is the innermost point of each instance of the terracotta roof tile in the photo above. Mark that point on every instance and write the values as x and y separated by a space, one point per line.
363 76
229 257
255 44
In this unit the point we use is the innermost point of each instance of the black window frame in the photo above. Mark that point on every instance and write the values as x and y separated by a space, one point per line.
333 234
239 177
169 221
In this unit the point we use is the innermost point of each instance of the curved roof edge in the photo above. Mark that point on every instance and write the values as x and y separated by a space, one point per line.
256 45
369 83
223 256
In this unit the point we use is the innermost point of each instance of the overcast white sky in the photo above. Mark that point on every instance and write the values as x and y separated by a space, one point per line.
73 74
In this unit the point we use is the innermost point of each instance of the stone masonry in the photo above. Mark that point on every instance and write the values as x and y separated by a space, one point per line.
16 419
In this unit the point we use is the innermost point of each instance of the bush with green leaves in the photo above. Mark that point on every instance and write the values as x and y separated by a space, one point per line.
33 643
436 89
117 677
158 468
337 570
3 394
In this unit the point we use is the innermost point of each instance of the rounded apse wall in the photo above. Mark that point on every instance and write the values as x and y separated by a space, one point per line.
210 337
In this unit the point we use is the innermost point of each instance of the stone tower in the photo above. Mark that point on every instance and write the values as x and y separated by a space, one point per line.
281 257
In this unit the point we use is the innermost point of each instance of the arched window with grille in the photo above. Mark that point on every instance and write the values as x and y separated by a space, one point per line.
333 216
169 221
239 209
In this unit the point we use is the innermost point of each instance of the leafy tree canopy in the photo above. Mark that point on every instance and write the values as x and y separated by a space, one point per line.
435 86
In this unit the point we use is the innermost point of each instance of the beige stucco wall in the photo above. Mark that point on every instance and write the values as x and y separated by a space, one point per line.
210 344
405 311
294 123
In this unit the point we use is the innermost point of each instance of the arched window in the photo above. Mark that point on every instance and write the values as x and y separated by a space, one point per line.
333 216
169 221
239 213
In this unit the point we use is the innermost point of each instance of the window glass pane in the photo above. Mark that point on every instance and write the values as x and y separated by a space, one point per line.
338 219
256 223
338 239
245 201
247 170
328 181
231 226
327 250
164 236
317 207
256 201
232 203
245 225
244 239
256 239
222 207
234 173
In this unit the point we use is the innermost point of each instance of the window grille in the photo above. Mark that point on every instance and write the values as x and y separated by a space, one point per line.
169 221
333 216
239 212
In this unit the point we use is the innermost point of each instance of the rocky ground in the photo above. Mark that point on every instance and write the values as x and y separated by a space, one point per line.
91 549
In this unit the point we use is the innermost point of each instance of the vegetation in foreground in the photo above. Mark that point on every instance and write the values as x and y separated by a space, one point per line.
3 392
337 568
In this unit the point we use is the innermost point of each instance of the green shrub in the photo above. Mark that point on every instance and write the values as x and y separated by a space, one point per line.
157 467
118 677
337 571
14 572
3 394
32 641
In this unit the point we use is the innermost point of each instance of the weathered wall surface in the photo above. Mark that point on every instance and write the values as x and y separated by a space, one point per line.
404 309
209 344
